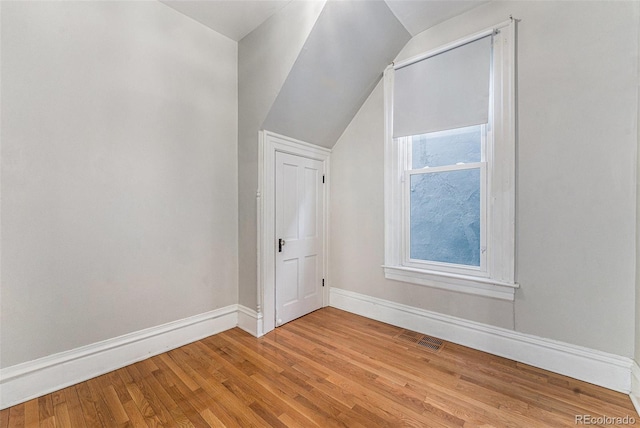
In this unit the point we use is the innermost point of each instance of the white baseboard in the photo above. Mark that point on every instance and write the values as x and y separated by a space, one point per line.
250 321
589 365
32 379
635 386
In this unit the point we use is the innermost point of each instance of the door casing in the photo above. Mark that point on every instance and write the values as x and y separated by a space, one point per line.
269 144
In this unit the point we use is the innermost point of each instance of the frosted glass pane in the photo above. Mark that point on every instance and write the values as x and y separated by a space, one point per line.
446 148
445 217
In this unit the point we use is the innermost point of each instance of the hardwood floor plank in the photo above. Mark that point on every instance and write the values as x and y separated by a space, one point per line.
223 404
74 407
356 356
114 380
102 409
115 405
234 393
348 376
171 365
212 419
296 411
342 379
272 400
252 348
241 384
4 417
134 415
89 412
45 407
327 369
16 416
142 405
213 395
153 394
379 421
502 401
62 418
266 415
31 415
178 392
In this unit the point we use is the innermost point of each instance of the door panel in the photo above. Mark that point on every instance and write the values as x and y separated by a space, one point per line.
309 206
299 222
289 201
311 273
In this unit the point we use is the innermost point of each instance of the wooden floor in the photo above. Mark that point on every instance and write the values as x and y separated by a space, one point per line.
327 369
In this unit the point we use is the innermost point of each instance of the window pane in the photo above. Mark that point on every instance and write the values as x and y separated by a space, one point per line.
445 217
446 148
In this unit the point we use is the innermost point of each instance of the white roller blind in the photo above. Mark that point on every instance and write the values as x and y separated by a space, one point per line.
445 91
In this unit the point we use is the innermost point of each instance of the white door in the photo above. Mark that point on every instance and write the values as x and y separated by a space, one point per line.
299 236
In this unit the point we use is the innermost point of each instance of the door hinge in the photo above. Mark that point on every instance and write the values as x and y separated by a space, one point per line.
322 178
323 282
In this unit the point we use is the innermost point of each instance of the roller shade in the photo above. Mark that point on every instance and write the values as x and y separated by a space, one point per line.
445 91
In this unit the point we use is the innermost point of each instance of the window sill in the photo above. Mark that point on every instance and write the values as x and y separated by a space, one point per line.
453 282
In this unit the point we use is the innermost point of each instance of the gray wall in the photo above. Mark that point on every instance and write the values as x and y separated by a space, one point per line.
637 336
119 169
265 57
357 226
576 223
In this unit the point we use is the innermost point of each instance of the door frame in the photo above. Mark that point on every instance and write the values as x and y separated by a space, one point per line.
268 144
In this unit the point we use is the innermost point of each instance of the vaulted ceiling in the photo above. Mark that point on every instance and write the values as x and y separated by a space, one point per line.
340 62
418 15
237 18
234 19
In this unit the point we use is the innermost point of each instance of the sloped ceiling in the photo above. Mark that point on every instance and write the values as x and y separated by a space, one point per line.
237 18
341 62
419 15
234 19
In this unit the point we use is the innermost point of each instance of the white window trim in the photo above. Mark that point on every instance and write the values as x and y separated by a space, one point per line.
496 278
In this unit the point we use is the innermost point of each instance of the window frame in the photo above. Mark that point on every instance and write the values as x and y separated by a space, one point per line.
405 145
496 276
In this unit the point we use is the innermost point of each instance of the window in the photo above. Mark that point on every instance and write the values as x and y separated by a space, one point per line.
445 186
450 166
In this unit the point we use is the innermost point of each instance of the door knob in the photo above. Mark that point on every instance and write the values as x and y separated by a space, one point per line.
281 243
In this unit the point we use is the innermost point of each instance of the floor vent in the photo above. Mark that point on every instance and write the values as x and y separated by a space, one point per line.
431 343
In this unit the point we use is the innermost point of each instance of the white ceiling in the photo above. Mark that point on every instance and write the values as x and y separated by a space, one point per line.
341 62
234 19
237 18
418 15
